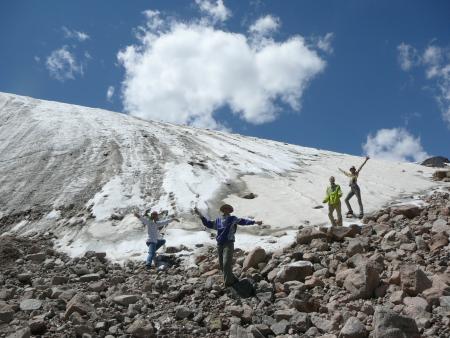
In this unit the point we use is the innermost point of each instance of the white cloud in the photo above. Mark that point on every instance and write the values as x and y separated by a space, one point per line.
395 144
37 59
63 65
110 93
185 72
73 34
216 10
324 43
435 60
265 25
407 56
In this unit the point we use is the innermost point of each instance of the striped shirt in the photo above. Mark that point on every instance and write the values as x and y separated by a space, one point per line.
153 228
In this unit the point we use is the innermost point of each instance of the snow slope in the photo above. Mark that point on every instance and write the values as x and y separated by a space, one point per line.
67 169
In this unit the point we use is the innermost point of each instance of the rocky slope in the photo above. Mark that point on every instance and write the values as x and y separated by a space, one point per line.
388 278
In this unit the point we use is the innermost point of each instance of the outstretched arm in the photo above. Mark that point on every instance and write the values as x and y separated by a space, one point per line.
362 165
243 221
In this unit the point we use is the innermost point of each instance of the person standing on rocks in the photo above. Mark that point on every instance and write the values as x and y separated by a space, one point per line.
333 198
354 189
226 228
154 240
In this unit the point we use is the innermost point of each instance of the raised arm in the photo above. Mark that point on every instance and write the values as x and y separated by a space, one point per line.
206 222
362 165
344 172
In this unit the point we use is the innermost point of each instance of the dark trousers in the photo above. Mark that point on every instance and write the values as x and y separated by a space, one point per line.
225 252
355 191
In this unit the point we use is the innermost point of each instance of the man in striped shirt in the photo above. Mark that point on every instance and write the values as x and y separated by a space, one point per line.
226 228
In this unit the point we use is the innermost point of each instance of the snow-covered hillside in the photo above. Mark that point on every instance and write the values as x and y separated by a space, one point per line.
67 169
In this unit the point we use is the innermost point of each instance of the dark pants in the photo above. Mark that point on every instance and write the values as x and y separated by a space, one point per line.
225 252
152 248
357 192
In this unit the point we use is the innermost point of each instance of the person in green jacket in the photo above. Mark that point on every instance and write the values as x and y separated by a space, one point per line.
333 198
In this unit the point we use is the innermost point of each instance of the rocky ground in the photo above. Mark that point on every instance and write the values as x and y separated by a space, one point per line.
389 278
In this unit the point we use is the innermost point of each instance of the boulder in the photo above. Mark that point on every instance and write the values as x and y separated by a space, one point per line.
79 303
362 281
6 313
38 326
338 233
413 280
354 247
409 211
37 257
440 225
436 162
438 241
306 235
440 287
59 280
415 306
353 328
298 270
182 312
389 324
300 321
126 300
30 304
256 256
21 333
92 277
141 328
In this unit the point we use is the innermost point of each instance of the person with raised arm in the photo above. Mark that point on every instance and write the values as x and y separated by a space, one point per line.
154 240
226 228
354 189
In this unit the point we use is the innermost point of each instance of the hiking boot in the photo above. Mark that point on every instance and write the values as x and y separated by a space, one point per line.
349 214
148 267
361 216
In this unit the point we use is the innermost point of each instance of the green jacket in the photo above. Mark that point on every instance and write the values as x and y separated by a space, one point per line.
333 196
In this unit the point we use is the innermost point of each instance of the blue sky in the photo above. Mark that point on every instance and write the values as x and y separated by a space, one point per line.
350 76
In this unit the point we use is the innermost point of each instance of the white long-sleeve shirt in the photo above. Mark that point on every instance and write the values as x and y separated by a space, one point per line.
153 228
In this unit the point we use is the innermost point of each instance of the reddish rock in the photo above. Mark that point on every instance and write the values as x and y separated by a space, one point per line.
256 256
79 303
362 281
306 235
438 241
409 211
338 233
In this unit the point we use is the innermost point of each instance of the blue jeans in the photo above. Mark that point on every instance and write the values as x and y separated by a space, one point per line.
152 248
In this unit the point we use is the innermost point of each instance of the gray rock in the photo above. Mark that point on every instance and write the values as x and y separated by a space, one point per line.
30 304
25 277
126 300
92 277
59 280
298 270
389 324
353 328
300 321
79 303
237 331
21 333
323 324
280 327
141 329
6 313
182 312
37 257
441 225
